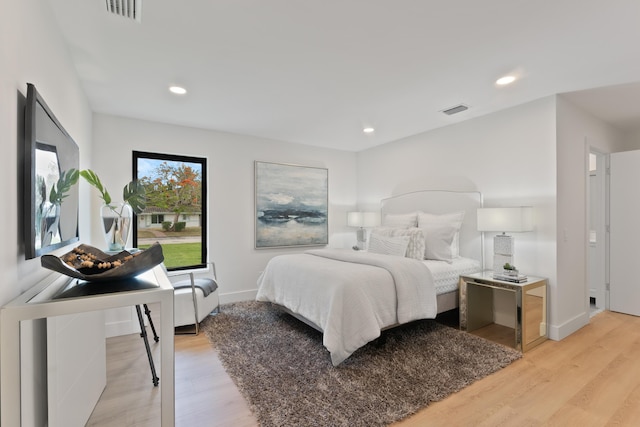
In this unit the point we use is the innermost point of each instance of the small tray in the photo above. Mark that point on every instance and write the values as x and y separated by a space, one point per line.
131 264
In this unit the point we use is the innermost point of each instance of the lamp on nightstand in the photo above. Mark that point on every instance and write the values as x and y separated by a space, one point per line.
515 219
362 220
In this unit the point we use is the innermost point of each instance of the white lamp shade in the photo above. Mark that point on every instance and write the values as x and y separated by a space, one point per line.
362 219
516 219
354 219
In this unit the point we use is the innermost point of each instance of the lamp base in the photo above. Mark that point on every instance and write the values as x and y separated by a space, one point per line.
502 251
500 260
361 235
503 244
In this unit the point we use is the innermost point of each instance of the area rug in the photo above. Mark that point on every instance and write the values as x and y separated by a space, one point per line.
285 373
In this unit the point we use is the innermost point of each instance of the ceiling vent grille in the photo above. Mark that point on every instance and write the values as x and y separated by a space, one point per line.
130 9
457 109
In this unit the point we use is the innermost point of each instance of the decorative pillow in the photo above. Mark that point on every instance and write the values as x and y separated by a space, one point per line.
401 220
396 246
438 241
416 247
453 219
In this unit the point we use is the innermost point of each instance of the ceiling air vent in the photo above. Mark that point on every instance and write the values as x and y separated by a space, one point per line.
130 9
457 109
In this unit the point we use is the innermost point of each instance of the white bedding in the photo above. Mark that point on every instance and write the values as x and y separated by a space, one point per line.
446 275
352 300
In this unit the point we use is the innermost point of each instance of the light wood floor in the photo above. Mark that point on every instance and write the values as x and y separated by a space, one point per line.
591 378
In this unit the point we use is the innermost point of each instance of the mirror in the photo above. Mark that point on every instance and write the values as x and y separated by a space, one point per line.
534 301
49 150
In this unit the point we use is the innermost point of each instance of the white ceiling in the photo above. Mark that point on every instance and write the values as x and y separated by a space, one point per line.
317 72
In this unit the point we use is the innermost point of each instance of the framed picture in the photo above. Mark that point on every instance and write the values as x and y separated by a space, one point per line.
49 151
291 205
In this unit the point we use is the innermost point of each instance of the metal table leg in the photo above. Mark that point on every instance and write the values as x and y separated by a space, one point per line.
143 334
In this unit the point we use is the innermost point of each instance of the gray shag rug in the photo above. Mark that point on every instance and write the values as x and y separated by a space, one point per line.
285 373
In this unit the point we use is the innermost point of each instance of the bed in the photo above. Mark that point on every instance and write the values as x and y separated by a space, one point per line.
352 296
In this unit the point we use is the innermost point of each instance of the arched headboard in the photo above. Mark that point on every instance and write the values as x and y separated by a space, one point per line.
442 202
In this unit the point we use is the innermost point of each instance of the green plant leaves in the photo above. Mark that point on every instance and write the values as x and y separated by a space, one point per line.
508 266
66 180
92 178
135 194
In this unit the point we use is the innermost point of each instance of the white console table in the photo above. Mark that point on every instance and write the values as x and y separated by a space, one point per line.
37 303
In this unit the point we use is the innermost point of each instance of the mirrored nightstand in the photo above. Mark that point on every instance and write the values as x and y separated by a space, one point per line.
527 303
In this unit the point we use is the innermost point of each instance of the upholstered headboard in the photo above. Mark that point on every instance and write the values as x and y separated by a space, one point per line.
442 202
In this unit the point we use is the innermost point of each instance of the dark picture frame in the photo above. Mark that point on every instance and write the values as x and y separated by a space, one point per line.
291 205
48 151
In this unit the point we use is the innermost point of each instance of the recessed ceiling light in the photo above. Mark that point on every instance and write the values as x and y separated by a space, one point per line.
505 80
368 130
177 90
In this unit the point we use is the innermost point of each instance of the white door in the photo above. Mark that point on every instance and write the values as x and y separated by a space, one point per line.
624 294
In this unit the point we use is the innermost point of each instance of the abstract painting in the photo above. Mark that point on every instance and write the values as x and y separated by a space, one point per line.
291 205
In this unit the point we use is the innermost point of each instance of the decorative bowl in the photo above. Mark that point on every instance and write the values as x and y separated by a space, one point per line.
91 264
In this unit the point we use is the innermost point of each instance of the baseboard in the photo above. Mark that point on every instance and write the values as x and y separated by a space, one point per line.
560 332
230 297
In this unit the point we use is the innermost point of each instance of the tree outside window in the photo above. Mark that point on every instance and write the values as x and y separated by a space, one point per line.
176 207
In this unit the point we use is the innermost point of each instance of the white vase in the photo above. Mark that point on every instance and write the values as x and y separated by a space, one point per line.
116 222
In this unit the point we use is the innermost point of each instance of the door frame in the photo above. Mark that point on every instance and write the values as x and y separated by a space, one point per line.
602 158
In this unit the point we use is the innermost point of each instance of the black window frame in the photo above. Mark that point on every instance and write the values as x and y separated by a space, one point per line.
204 223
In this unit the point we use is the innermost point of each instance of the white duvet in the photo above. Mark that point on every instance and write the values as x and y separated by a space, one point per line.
351 296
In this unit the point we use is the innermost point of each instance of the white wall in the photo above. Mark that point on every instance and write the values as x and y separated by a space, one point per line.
576 131
632 141
231 187
533 154
32 50
509 156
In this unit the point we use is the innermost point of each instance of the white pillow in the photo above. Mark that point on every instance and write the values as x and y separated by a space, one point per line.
438 241
396 246
416 247
401 220
453 219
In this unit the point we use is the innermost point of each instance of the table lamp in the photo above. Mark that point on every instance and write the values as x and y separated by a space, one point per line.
512 219
362 220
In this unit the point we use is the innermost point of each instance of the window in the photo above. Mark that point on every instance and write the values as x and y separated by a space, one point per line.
176 211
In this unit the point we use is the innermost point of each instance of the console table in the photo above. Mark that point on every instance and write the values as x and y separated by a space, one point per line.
39 302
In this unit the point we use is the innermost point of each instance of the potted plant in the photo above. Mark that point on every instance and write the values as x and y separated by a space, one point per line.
510 270
116 218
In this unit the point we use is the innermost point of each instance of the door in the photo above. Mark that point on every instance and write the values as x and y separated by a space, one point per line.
624 255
